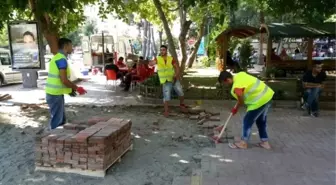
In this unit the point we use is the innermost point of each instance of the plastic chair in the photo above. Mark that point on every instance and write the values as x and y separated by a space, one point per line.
151 71
111 76
142 74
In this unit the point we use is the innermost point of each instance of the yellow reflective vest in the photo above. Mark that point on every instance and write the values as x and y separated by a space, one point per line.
54 85
256 92
165 69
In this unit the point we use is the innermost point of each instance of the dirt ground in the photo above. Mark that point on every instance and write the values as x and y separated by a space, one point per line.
163 147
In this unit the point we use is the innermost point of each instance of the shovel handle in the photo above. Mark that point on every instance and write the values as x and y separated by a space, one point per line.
225 124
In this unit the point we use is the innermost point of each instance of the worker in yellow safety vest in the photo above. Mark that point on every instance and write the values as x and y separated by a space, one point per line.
257 96
58 84
169 75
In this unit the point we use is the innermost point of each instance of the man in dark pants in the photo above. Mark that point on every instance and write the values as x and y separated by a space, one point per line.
129 76
257 96
58 83
313 84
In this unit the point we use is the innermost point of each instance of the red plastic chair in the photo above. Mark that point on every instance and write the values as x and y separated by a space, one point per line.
111 76
142 74
151 71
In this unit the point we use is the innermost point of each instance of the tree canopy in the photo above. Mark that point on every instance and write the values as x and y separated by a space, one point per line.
61 17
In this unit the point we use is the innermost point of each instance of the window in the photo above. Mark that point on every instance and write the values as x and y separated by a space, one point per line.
5 59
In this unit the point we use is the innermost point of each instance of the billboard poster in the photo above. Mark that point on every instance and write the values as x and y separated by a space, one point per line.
24 45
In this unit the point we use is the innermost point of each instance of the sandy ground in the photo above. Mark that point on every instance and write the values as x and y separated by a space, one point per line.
163 148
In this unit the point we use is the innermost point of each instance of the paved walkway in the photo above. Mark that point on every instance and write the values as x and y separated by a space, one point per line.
303 153
303 147
98 94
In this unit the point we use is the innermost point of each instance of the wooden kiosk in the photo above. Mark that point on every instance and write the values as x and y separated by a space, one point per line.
300 31
223 39
274 31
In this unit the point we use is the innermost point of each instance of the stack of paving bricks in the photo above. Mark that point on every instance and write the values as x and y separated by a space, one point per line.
81 148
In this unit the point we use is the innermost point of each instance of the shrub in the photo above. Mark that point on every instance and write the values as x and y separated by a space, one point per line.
205 61
245 54
153 81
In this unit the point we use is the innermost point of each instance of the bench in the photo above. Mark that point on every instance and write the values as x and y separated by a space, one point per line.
328 93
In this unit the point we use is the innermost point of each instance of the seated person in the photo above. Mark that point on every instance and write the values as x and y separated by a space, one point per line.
283 54
120 62
313 84
144 62
274 56
298 55
142 65
232 64
128 77
115 68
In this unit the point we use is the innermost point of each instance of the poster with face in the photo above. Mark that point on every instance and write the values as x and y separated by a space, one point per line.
23 38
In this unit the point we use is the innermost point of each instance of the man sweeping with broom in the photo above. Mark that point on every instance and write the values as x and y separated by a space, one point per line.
257 96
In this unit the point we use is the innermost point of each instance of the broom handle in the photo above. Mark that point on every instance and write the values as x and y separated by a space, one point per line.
227 121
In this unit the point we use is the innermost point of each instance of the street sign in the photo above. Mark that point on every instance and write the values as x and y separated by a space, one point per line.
191 41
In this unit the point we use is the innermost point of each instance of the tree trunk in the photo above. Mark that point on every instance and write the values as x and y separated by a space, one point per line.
153 42
52 39
185 26
144 39
160 37
232 17
164 20
198 43
261 40
46 27
148 41
183 44
139 29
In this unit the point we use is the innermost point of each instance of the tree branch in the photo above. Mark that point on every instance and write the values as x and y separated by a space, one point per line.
177 8
165 23
198 42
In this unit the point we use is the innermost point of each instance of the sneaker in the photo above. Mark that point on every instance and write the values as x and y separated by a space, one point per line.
304 106
315 114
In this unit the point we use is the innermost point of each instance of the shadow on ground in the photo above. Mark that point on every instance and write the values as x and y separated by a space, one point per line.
163 147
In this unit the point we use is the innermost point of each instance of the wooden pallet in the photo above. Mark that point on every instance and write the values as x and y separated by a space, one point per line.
91 173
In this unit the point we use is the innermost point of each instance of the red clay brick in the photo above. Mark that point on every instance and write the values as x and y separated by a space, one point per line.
95 120
45 140
75 150
68 140
59 160
194 117
70 126
96 140
83 159
80 122
90 153
75 145
81 127
214 118
82 137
